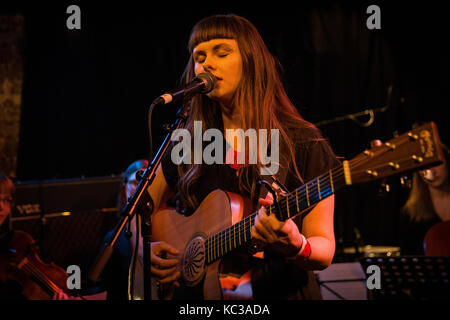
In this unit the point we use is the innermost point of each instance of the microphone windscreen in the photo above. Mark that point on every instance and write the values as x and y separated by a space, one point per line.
209 80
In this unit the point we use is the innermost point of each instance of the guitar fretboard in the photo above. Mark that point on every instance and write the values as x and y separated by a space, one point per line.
288 207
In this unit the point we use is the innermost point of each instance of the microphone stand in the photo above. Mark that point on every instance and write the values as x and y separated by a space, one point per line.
141 199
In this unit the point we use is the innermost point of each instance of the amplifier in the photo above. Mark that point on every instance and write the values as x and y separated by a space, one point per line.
50 197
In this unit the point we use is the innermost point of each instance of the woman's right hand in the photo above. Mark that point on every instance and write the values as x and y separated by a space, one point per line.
162 268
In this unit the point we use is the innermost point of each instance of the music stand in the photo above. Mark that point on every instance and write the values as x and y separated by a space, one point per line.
411 278
342 281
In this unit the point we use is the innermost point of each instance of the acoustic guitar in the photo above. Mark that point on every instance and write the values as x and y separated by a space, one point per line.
208 235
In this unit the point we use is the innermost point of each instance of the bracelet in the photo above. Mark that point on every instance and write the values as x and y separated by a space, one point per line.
306 253
305 250
304 241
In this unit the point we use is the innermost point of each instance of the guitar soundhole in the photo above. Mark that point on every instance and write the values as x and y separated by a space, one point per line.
193 263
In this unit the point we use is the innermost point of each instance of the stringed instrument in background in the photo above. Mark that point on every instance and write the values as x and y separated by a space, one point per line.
21 263
208 235
437 240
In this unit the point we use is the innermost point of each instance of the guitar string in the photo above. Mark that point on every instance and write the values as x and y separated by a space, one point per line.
399 162
314 184
356 162
220 242
41 277
226 240
301 197
339 170
353 163
324 182
230 232
222 245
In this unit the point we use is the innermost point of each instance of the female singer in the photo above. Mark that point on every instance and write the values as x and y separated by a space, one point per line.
249 95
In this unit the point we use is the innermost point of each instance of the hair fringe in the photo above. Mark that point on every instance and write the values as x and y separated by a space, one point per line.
261 91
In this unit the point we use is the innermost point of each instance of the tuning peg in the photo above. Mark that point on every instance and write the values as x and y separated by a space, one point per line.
375 143
417 158
384 188
394 165
372 173
413 136
390 145
406 182
368 153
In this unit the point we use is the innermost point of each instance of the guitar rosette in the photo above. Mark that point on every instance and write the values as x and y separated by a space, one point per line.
193 261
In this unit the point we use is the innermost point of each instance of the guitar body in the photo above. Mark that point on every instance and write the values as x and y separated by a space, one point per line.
187 235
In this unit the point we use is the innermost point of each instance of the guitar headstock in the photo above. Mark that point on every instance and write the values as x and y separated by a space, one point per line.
417 149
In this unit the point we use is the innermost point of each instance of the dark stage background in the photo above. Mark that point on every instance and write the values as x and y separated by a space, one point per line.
86 92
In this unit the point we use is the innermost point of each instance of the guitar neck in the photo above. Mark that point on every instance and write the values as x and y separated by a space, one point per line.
416 149
295 203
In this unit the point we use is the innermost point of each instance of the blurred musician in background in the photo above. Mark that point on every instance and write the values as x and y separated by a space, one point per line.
23 275
7 190
115 275
8 289
428 208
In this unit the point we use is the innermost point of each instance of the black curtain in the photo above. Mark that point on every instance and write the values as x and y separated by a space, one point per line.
86 92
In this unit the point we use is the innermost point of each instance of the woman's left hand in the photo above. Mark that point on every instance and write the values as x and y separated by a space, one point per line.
284 236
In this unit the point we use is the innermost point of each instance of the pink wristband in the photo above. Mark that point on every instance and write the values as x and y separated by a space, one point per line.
305 250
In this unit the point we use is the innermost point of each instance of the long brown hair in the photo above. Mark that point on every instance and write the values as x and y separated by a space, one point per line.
260 90
419 206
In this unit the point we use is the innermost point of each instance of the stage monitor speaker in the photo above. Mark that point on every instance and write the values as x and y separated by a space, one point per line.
68 218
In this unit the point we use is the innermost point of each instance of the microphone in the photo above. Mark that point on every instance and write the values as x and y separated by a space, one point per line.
202 83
